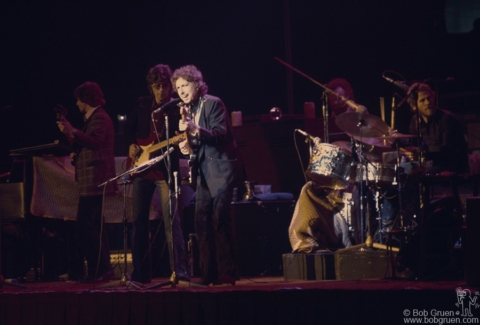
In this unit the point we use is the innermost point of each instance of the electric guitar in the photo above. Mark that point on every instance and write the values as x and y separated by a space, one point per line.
60 114
194 144
146 152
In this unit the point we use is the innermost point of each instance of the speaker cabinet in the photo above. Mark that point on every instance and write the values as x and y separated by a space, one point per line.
363 264
12 201
472 242
315 266
261 236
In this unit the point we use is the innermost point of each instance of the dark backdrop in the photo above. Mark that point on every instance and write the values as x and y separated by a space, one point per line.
47 50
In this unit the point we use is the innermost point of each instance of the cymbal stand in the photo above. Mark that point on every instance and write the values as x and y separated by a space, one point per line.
368 243
325 117
399 221
379 216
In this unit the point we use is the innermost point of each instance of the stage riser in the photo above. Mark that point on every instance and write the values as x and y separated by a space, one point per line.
316 266
341 265
472 243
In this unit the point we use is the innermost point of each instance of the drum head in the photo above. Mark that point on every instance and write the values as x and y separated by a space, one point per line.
329 166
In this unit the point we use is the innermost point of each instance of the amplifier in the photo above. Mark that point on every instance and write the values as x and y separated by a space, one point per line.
364 264
261 235
12 201
314 266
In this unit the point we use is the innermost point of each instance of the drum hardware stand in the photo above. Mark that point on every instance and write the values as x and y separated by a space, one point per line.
347 101
379 215
400 218
369 243
325 117
125 279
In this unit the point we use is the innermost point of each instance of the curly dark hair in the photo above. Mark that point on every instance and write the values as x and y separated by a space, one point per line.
415 88
191 74
90 93
159 74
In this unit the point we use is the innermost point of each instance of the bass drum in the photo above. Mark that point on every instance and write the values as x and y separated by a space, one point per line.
329 166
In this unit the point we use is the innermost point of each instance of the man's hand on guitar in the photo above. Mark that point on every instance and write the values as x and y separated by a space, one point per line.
188 125
133 150
67 129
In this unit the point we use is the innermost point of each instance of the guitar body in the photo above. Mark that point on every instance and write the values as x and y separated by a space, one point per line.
150 151
145 155
193 161
60 114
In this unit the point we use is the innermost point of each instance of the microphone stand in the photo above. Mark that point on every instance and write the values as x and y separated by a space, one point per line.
125 279
172 281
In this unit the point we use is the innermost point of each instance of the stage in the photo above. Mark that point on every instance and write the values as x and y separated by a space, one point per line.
256 300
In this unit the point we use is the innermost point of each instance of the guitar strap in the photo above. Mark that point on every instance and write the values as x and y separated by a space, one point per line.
195 115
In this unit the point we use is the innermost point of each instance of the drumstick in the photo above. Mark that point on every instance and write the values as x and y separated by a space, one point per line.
382 108
392 123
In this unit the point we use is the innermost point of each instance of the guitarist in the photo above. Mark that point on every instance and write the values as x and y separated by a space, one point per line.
94 147
142 131
218 168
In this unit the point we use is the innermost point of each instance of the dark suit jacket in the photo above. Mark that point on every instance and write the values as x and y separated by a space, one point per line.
218 157
95 161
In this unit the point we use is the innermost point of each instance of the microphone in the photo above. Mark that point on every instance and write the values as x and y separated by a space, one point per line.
307 135
167 105
399 84
175 180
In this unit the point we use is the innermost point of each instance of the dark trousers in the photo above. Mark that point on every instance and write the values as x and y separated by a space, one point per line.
213 227
90 237
143 190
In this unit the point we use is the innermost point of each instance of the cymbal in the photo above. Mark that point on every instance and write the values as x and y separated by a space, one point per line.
396 136
347 146
362 125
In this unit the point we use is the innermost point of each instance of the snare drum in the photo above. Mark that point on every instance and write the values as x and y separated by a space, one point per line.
329 166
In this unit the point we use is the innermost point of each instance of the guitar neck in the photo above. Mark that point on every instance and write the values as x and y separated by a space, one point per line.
163 143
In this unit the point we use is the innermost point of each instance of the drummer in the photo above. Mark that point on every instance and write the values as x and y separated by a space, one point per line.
338 105
443 140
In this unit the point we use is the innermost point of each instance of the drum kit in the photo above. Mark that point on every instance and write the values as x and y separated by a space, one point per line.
331 165
359 161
